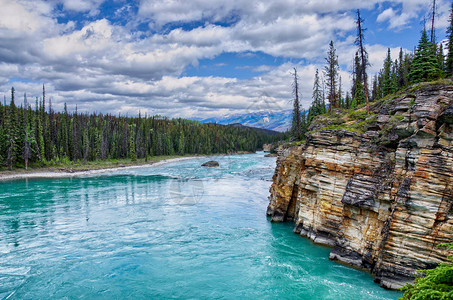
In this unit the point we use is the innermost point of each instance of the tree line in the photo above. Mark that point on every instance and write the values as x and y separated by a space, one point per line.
426 63
40 136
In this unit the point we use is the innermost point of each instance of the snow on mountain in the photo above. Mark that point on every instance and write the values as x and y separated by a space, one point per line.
277 121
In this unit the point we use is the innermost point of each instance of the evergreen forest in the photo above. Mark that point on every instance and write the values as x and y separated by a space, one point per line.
41 136
426 63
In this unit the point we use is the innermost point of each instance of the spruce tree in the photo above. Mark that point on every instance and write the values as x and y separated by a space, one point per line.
449 60
304 124
132 154
387 86
318 105
331 73
347 100
394 76
374 95
403 69
359 96
424 64
363 56
2 133
26 154
441 58
181 144
357 83
11 133
296 126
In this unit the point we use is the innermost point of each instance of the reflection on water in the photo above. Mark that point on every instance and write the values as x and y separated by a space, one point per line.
175 230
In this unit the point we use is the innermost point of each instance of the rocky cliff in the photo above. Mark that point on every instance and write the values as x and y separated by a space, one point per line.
376 187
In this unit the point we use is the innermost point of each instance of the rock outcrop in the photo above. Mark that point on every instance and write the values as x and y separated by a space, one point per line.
267 147
380 196
211 163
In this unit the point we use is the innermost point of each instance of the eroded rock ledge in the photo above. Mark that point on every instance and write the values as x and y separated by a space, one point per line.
383 198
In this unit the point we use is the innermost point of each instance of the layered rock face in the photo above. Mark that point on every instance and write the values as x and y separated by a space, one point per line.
383 198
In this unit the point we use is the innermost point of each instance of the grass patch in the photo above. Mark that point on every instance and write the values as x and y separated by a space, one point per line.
358 120
358 127
295 143
443 81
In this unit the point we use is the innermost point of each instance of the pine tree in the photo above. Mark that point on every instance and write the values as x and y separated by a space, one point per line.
28 135
296 126
441 58
11 133
132 155
64 134
2 134
318 105
331 73
363 56
374 91
387 86
181 144
394 76
347 100
52 131
424 64
403 70
304 123
358 97
75 136
449 60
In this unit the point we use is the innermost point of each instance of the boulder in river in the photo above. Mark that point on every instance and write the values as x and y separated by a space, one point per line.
211 163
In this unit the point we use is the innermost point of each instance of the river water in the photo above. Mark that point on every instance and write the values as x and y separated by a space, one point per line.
176 230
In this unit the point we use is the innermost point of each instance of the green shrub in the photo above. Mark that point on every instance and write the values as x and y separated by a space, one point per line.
434 283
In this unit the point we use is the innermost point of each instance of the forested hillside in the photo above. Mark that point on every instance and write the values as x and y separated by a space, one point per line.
41 135
426 63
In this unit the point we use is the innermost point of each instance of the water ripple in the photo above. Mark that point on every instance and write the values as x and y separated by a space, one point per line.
125 234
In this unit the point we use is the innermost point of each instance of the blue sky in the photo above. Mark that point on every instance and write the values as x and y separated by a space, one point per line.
194 59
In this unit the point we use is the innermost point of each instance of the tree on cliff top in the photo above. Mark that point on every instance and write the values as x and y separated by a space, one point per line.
363 56
425 65
331 72
358 96
387 84
449 62
296 123
432 284
318 106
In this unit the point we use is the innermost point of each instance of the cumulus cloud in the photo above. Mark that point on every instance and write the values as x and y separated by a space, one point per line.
402 12
103 65
83 5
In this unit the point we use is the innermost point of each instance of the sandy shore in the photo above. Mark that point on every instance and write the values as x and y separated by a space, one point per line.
10 175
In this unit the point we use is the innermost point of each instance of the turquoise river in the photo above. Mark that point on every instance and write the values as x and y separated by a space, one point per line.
173 230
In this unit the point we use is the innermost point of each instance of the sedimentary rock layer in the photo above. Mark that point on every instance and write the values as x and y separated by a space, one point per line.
382 199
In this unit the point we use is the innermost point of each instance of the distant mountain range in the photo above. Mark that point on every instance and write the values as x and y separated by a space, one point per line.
277 121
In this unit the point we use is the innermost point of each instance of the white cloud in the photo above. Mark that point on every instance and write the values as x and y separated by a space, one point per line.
90 6
26 17
92 38
404 11
102 65
396 20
